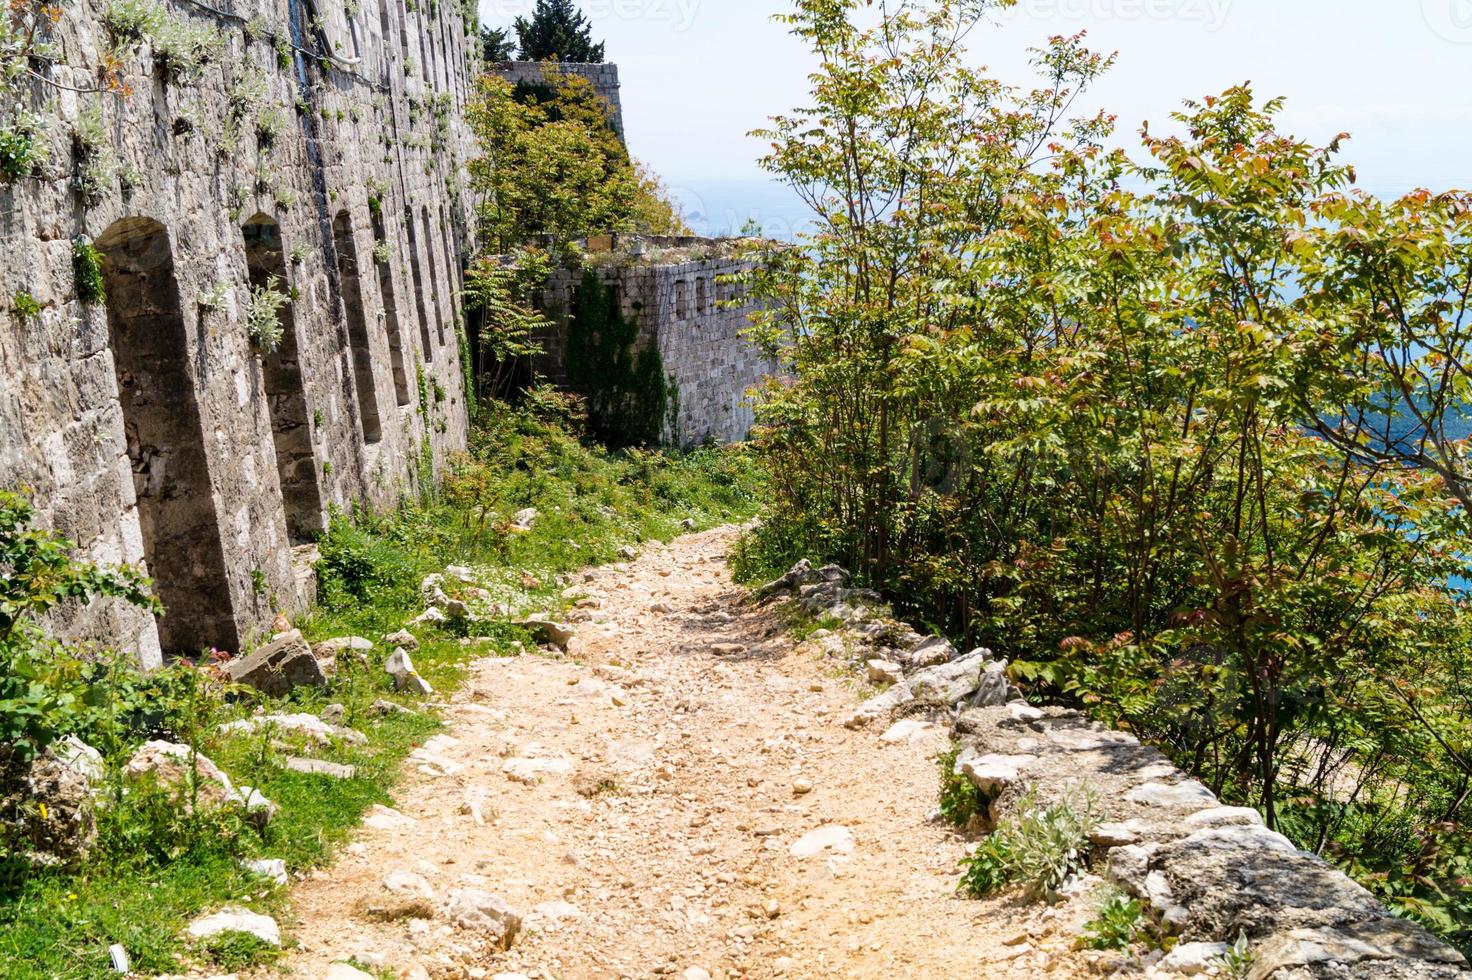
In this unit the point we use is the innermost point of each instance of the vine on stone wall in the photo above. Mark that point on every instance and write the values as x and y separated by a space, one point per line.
627 391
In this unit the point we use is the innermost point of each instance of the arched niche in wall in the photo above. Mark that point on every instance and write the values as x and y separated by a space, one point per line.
390 304
286 396
417 272
345 241
165 439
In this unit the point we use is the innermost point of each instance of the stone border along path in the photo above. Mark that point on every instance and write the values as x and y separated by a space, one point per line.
691 793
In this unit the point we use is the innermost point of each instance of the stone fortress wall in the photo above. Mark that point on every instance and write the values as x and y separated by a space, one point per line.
677 292
318 146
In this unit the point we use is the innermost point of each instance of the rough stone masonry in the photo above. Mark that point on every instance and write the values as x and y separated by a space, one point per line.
313 150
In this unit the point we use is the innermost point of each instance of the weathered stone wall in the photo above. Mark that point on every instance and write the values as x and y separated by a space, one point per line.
696 319
603 78
149 428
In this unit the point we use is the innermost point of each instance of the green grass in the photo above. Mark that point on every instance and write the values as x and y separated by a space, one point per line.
155 868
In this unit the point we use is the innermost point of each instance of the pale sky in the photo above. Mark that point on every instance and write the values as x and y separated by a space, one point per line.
1397 74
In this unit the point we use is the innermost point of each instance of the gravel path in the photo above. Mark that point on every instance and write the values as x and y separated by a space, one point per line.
675 796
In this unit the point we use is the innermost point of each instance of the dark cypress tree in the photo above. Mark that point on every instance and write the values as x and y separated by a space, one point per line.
558 30
496 44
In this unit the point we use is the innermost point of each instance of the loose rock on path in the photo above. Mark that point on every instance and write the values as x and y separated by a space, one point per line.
676 797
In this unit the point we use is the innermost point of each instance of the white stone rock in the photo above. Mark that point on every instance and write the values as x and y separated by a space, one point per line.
320 767
478 911
557 912
885 672
1192 959
880 706
338 644
696 973
314 728
385 818
524 519
951 682
1185 795
992 773
1114 835
833 837
1024 712
534 761
432 615
909 730
263 927
406 678
79 757
272 868
1223 816
1240 836
403 638
342 971
409 883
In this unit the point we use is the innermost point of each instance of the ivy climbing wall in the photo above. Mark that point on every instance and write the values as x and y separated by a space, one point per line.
231 242
680 295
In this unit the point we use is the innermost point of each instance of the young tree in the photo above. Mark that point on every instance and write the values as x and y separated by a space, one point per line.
557 31
553 169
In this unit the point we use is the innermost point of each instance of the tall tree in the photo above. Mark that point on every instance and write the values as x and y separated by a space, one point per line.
558 31
497 45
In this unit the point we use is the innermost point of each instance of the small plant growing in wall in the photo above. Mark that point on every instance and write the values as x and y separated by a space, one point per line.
263 319
381 253
22 152
131 22
269 126
94 167
181 49
87 272
213 298
299 253
25 307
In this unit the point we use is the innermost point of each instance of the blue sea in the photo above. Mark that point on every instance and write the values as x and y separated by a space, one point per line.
725 206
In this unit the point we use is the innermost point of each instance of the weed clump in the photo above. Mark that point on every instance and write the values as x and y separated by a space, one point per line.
1038 849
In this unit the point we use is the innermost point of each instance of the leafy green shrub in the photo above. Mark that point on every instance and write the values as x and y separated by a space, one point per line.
38 695
1038 849
87 273
960 800
1118 925
359 565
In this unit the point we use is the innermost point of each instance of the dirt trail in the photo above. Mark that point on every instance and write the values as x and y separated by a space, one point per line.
674 788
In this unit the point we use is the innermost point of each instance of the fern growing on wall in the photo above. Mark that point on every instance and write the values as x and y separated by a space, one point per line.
625 385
